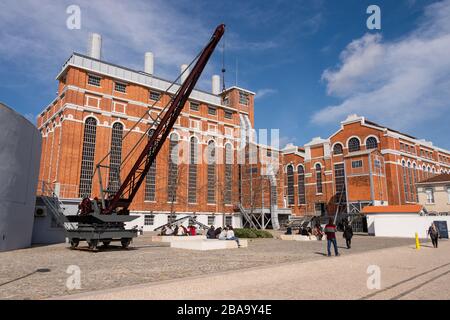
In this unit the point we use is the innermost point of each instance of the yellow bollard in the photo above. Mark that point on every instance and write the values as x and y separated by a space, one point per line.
417 241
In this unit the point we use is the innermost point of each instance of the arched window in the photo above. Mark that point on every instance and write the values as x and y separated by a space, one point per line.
115 157
353 145
150 179
193 165
405 181
301 185
211 172
319 178
290 184
416 177
228 173
337 149
87 157
371 143
172 176
411 185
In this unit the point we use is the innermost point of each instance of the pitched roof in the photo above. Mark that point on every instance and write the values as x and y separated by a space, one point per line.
409 208
444 177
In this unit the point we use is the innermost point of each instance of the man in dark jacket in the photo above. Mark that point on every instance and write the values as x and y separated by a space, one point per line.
330 231
348 234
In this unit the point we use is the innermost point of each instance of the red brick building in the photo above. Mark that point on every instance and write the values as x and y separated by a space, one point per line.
97 113
362 163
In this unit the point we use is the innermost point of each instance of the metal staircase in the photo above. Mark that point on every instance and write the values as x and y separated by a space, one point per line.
55 206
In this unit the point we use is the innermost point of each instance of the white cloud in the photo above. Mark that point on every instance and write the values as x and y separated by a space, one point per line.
261 93
34 33
404 82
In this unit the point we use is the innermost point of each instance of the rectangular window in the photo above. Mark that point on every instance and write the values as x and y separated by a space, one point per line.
211 220
149 220
212 111
194 124
228 131
357 164
212 128
155 96
229 220
243 98
269 153
430 195
194 106
120 87
119 107
228 114
92 102
226 101
94 80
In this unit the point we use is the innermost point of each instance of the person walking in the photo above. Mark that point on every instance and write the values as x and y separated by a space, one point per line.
330 231
434 234
348 234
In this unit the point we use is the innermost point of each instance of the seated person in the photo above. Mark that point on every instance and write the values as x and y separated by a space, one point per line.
217 232
230 235
211 234
288 230
192 231
304 232
182 231
223 234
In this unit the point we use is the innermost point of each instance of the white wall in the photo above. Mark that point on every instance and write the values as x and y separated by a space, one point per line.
161 218
401 225
20 153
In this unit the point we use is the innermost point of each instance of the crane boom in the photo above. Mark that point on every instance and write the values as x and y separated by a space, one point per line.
131 184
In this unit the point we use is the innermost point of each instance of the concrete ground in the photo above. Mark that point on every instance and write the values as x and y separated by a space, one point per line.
405 273
148 262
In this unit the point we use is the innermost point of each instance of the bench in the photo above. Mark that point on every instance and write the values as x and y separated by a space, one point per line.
296 237
208 244
177 238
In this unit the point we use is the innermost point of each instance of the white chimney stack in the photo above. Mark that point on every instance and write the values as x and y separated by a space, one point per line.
149 63
95 46
215 84
185 74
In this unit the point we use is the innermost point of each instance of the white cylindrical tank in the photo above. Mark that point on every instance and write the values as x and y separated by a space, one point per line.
185 74
20 154
95 46
149 63
215 84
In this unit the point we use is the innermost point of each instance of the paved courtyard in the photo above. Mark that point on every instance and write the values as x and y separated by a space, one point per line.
401 272
149 262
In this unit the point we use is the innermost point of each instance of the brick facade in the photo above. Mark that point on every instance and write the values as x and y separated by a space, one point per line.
349 179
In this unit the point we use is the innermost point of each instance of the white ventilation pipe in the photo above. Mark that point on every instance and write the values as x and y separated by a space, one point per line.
149 63
95 46
215 84
185 74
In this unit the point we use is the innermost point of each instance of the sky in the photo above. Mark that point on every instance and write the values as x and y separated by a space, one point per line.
310 62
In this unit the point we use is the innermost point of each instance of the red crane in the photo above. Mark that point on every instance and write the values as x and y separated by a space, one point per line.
130 185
